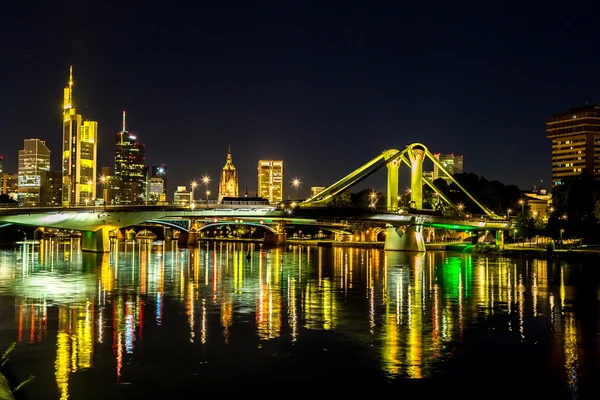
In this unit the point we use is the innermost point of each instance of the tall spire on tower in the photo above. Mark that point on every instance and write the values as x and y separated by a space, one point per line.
68 107
124 112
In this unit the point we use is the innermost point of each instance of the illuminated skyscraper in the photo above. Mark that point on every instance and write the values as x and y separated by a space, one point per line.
270 178
34 159
575 136
157 185
79 153
129 167
228 186
451 163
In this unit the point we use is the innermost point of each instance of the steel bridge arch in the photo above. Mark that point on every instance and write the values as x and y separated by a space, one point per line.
392 157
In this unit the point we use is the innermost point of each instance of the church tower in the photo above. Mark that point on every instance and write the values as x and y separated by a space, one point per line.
228 186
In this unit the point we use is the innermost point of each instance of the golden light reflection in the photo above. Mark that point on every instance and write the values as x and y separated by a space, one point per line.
413 309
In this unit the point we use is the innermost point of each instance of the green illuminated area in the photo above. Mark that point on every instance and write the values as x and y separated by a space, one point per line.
456 275
454 227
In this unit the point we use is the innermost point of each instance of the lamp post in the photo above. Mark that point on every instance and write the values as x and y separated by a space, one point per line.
103 181
194 185
373 197
206 181
90 183
296 184
508 214
522 203
561 235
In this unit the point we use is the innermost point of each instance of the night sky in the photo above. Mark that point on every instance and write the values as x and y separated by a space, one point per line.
325 86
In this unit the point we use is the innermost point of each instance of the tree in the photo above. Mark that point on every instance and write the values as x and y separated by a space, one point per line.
341 200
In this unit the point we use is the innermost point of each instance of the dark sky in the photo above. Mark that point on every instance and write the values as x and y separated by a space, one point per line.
325 86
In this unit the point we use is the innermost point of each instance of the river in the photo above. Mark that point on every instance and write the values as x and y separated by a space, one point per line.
150 320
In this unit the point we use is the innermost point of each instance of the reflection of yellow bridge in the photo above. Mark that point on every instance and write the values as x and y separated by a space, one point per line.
403 230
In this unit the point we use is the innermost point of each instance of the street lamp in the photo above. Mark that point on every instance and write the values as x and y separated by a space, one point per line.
561 235
90 183
522 203
460 208
206 181
373 197
194 185
103 180
508 214
296 184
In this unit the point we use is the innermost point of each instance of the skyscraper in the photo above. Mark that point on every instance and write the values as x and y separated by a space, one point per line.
228 186
270 178
451 163
157 185
575 136
34 159
79 153
129 167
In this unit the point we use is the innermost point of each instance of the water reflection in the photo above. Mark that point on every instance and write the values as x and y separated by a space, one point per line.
410 310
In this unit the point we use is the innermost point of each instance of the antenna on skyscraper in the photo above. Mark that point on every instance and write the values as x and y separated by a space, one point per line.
124 112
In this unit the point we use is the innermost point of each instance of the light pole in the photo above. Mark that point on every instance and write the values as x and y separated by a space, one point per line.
561 235
373 197
90 183
522 203
206 181
296 184
194 184
508 214
103 180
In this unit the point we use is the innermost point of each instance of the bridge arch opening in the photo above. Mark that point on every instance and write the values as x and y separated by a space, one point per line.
251 230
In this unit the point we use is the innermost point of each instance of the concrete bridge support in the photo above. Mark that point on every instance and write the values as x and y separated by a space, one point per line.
392 185
410 239
96 242
416 155
275 239
500 238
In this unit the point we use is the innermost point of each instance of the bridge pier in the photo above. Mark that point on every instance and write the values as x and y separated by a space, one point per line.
500 237
410 239
96 242
392 185
274 239
416 155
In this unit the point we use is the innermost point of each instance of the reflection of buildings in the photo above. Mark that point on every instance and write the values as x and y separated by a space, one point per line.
412 306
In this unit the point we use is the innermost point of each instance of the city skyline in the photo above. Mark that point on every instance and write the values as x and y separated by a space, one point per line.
323 89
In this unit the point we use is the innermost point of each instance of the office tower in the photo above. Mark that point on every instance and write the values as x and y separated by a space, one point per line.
79 153
10 185
270 178
315 190
451 163
51 189
228 185
575 136
33 160
160 171
182 197
129 167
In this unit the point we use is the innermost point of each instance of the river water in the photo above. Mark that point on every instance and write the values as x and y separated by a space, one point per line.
229 319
